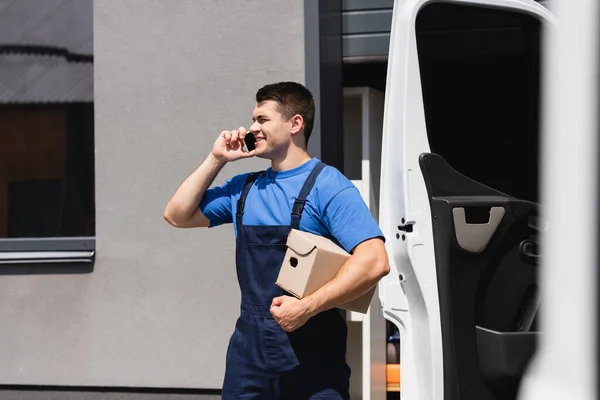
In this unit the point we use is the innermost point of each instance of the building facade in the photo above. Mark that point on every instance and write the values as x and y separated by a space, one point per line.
105 107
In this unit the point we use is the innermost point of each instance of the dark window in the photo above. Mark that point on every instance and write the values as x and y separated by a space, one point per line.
480 74
46 120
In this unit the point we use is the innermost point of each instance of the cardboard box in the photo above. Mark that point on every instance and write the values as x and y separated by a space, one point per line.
310 262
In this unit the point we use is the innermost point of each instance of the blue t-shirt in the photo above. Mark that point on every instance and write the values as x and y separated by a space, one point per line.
334 207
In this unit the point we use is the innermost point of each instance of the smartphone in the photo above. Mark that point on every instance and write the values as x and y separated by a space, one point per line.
250 141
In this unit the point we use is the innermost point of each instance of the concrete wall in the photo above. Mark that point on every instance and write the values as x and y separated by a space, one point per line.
158 309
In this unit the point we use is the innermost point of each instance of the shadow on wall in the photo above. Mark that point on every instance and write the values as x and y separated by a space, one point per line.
47 269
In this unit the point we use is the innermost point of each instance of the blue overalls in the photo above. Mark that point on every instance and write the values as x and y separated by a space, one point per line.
263 361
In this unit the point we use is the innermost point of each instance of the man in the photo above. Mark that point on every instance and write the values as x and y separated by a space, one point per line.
283 347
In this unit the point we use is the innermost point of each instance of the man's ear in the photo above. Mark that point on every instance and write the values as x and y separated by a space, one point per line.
297 123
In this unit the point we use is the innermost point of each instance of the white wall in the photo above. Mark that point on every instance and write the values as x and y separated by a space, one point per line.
161 303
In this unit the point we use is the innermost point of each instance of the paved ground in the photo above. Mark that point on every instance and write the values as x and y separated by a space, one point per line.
64 395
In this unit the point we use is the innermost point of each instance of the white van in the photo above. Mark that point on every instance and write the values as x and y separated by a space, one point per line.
461 206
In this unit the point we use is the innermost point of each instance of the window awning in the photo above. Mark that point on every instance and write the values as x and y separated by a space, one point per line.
46 51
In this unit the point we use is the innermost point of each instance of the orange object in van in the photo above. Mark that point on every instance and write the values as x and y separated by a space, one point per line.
393 377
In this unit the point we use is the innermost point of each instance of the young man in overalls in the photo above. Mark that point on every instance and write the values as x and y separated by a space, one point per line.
282 347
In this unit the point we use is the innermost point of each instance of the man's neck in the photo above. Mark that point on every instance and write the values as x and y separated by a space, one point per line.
293 159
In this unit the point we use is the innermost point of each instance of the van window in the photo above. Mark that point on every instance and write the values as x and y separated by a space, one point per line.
480 76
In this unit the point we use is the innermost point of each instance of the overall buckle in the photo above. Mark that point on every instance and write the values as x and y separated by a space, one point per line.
298 207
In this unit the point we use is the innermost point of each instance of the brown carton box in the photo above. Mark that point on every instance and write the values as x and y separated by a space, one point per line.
310 262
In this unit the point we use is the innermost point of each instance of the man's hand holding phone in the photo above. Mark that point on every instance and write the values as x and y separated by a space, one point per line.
229 146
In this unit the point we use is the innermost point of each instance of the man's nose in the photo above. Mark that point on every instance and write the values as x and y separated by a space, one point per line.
254 128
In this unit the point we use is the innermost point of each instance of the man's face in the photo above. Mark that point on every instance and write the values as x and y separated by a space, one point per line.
272 132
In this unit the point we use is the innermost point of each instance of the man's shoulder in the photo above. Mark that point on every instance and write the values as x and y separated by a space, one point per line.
333 180
237 182
329 184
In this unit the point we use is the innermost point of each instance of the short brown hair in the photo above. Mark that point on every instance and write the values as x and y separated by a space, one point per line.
293 98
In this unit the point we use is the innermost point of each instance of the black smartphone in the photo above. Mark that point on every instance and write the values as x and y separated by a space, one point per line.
250 141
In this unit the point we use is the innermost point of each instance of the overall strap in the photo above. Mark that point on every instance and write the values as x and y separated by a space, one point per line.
301 199
241 203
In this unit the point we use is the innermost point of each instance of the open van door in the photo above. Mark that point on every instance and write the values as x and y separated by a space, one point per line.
459 194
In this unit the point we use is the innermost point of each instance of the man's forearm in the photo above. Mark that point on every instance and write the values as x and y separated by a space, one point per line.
184 203
357 276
